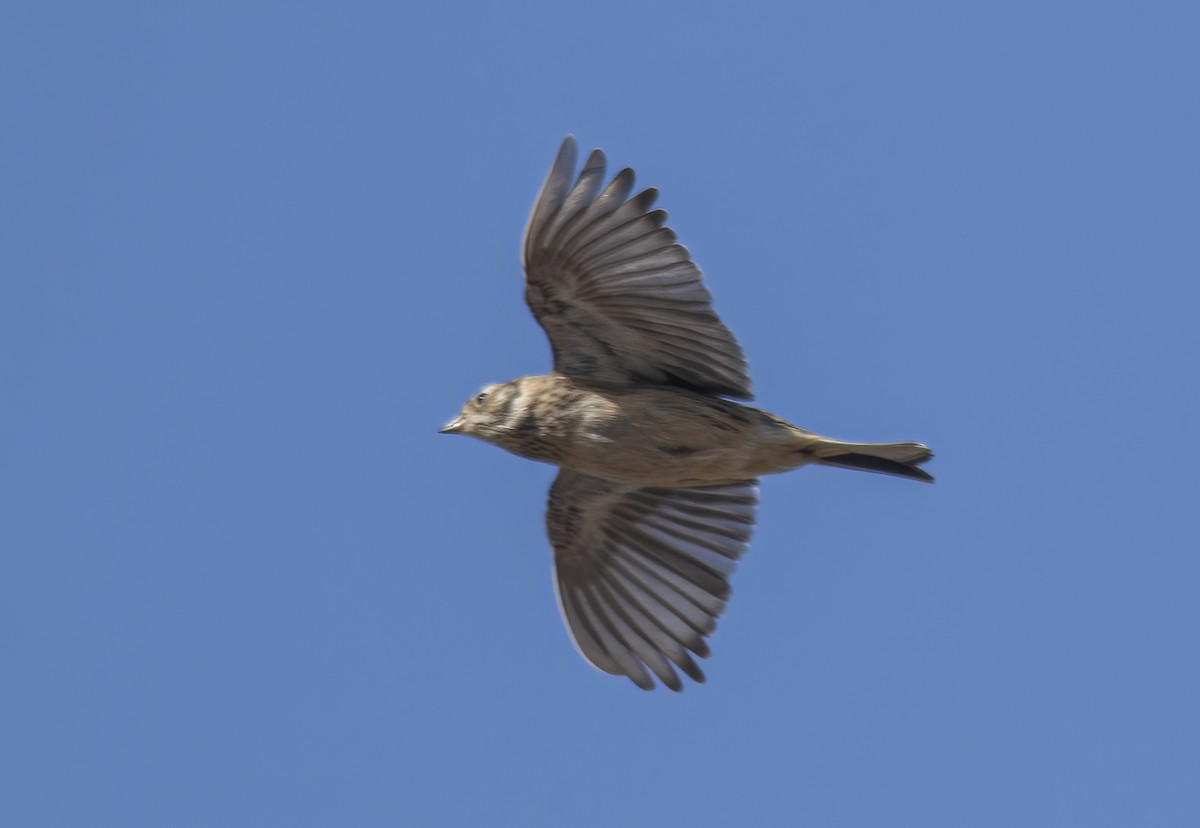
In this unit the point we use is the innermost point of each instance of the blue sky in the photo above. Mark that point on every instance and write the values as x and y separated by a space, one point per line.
255 254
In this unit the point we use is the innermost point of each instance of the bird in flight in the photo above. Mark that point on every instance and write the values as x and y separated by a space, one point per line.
657 488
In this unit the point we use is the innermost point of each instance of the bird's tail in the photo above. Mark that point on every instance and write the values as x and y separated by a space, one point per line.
900 459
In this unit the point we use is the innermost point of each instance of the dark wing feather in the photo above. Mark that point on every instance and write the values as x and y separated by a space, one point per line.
642 574
622 302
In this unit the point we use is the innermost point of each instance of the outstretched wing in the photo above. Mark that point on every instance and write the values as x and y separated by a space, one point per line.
620 300
642 574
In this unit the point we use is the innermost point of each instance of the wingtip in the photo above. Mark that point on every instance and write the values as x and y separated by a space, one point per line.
642 682
563 168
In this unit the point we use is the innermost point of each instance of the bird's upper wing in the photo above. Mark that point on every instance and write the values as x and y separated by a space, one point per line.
620 300
643 573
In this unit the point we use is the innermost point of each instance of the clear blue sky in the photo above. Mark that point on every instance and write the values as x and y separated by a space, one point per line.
254 254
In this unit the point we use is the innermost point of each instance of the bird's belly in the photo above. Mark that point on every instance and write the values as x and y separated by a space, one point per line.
651 468
653 450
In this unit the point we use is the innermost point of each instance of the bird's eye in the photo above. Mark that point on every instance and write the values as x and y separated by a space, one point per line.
480 397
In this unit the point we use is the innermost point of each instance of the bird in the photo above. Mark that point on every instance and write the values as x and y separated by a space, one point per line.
645 414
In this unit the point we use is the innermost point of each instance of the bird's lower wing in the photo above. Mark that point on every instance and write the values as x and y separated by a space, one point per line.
642 574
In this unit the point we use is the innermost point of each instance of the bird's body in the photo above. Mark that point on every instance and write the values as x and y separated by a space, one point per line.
657 492
651 435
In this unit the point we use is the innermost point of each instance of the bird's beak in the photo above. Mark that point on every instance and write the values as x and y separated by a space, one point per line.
452 427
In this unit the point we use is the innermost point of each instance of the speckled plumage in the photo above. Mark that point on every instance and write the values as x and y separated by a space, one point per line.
657 492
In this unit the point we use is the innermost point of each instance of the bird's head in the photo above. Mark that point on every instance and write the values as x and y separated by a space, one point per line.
486 415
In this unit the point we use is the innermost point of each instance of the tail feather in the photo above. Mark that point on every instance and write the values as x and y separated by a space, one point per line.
899 459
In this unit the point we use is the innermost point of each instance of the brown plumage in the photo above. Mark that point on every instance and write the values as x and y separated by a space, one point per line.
657 491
